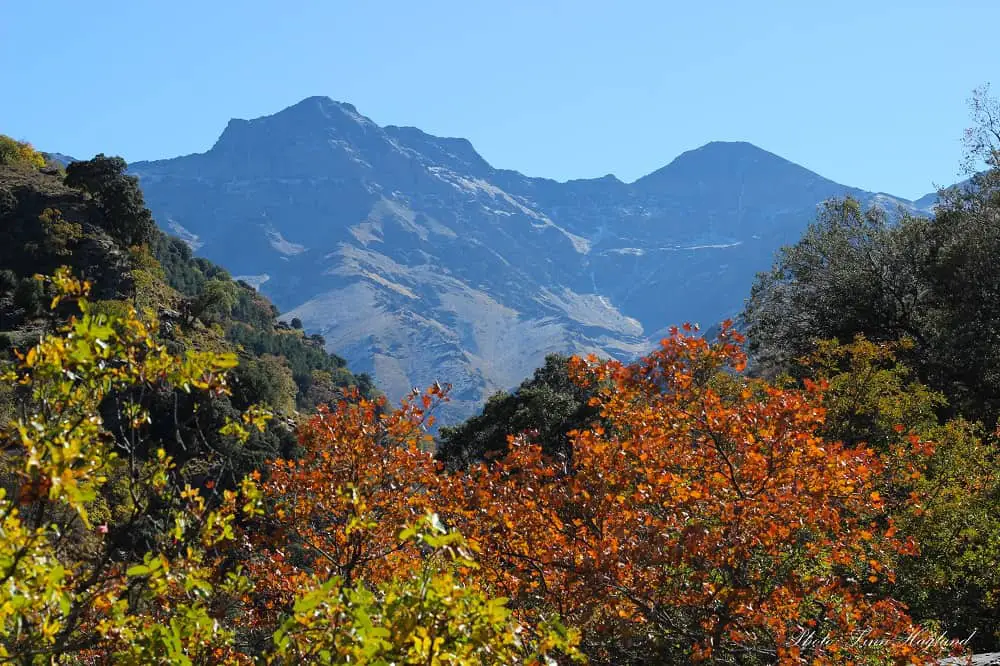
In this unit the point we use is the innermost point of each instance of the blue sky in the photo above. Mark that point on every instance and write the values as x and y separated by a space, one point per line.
870 94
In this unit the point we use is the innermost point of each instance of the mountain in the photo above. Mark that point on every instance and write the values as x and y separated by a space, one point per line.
927 202
419 261
59 158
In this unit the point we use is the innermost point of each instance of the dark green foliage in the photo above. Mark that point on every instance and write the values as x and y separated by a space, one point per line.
96 174
184 272
963 326
116 203
268 379
933 281
303 356
214 302
546 407
296 323
29 295
253 308
176 259
852 272
8 202
8 281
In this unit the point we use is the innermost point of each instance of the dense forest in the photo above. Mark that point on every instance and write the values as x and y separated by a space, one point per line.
185 479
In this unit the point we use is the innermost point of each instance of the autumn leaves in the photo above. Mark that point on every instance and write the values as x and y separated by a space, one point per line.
703 517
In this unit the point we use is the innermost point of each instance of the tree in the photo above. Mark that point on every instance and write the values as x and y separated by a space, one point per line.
340 506
548 405
852 272
982 140
267 380
69 484
215 300
19 153
117 204
705 520
322 390
964 313
435 616
351 566
30 296
943 497
64 588
930 280
60 234
870 392
296 323
95 175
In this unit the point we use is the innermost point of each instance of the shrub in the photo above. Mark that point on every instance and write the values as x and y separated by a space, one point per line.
19 153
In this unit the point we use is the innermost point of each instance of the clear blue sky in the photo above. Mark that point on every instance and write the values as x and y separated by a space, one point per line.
867 93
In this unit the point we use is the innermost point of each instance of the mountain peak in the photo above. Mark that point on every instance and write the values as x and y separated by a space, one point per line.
419 261
715 152
307 118
321 106
725 161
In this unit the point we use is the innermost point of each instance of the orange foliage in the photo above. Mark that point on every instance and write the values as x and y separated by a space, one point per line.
339 509
707 519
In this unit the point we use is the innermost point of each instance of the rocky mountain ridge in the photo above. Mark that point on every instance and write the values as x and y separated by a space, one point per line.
418 261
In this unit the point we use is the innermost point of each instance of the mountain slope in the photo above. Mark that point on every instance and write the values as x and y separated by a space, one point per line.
419 261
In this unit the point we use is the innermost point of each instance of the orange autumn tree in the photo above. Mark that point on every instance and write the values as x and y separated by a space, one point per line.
338 510
349 564
707 520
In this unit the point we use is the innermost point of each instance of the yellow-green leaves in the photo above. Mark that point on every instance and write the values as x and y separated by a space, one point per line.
19 153
57 576
88 475
256 416
433 617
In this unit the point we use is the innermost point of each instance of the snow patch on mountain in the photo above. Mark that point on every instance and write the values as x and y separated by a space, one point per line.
591 310
255 281
282 245
193 240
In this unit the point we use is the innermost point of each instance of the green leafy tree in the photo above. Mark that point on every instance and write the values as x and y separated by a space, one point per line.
117 204
942 485
547 406
30 296
933 281
852 272
215 300
267 379
63 586
61 235
871 392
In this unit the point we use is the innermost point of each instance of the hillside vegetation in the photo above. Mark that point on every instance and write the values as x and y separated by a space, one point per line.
91 218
